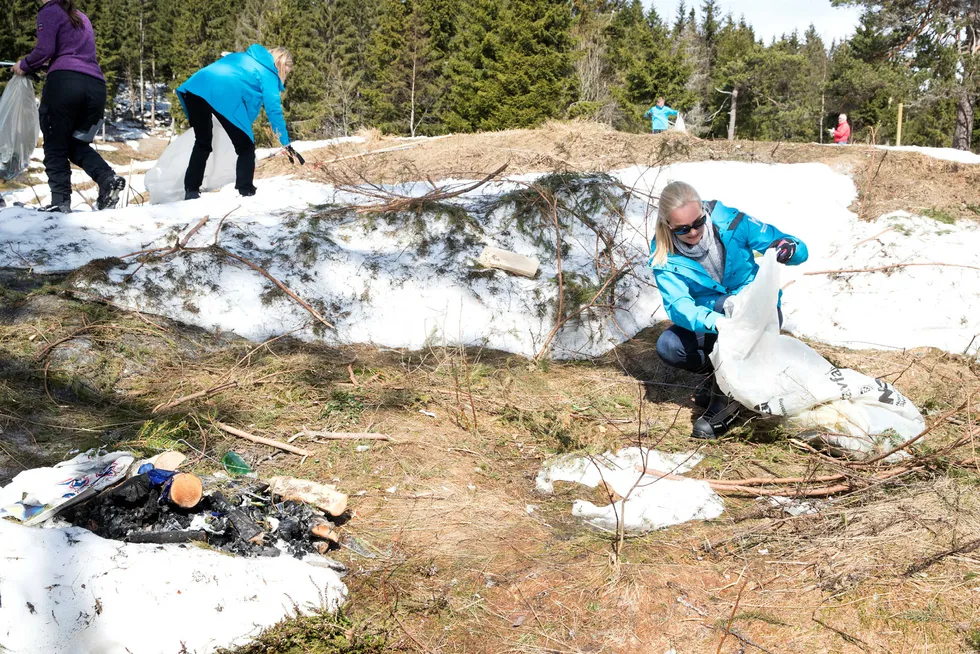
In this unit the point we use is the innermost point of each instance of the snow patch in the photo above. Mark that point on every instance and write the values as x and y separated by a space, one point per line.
652 502
67 590
946 154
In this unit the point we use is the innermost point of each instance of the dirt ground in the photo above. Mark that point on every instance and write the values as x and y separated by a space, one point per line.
452 549
450 556
887 180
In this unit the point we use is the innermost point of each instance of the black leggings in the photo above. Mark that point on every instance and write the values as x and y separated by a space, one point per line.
72 106
199 113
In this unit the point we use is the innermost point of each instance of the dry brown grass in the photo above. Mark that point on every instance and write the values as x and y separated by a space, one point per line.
898 180
457 557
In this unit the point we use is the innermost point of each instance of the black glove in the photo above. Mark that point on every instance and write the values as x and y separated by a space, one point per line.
290 152
785 249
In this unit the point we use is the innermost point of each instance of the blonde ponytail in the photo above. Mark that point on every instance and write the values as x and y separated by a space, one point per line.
674 196
283 61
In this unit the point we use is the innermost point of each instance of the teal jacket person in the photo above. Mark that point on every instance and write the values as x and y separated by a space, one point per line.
690 294
238 86
658 115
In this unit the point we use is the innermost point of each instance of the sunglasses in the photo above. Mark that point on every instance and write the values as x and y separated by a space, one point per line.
697 224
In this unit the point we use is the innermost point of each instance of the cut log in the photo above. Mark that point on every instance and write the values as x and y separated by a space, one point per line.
186 490
169 460
518 264
325 497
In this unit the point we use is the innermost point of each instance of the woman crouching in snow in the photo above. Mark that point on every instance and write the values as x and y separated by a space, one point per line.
234 89
704 252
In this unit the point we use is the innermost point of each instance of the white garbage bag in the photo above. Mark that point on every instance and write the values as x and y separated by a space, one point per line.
777 375
679 124
35 495
19 127
165 181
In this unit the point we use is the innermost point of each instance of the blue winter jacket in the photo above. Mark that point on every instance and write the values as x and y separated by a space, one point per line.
689 293
659 115
237 86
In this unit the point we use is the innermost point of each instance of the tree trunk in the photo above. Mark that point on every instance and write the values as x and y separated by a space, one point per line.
153 93
411 118
731 118
964 122
142 78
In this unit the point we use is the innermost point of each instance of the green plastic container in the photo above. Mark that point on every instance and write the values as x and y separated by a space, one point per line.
235 465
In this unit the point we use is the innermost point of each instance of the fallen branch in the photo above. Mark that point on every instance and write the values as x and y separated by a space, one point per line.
303 303
341 436
78 332
438 195
936 558
733 487
731 617
890 267
262 441
208 392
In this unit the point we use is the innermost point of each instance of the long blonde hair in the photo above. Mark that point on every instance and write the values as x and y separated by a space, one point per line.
283 61
674 196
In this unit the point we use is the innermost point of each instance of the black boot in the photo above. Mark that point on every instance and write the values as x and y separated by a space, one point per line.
719 416
192 195
702 393
109 190
59 204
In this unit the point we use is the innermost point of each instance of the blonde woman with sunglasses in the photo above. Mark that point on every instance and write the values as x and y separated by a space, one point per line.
703 253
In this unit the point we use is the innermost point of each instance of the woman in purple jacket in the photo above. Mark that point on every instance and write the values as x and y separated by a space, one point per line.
72 103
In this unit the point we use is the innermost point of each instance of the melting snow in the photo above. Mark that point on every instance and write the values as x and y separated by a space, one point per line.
67 590
651 502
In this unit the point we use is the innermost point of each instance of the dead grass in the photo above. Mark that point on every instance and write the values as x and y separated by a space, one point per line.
454 559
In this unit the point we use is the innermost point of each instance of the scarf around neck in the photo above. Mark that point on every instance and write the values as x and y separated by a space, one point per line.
709 251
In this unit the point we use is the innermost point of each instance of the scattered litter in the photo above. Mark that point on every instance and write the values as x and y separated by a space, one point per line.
792 506
531 508
35 495
471 487
653 502
362 448
235 464
778 375
427 413
393 489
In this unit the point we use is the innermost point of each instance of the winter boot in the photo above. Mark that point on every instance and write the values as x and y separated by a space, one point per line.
702 392
247 191
192 195
719 416
59 204
109 190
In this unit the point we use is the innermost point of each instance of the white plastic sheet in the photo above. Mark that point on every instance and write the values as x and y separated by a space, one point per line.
165 181
777 375
679 125
19 127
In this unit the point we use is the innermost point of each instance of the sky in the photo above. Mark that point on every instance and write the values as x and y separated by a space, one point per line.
775 17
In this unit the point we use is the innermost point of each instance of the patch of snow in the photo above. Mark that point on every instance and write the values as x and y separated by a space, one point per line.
946 154
68 590
379 282
652 502
103 147
306 146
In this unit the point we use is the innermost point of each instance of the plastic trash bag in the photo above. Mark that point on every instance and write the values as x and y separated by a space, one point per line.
679 125
19 127
35 495
165 181
849 413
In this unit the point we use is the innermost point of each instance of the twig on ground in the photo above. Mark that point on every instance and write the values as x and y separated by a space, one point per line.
409 634
921 565
208 392
78 332
341 436
262 441
437 195
853 640
731 617
889 267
